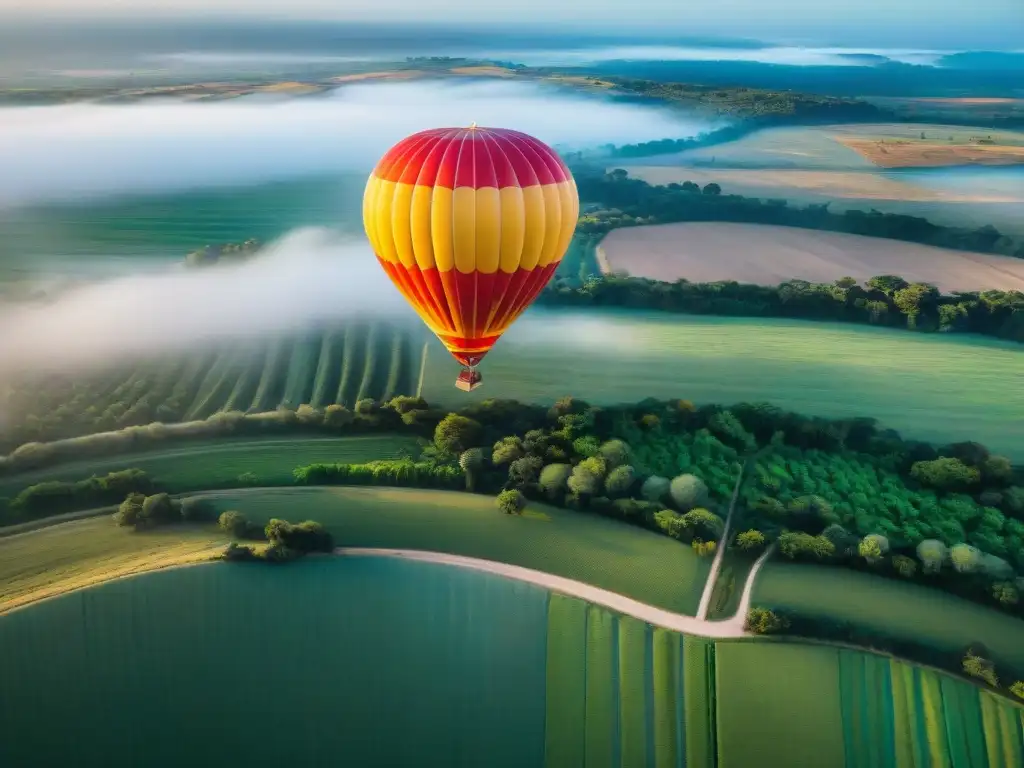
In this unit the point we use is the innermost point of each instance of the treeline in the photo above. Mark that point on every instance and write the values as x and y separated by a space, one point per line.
285 541
56 497
842 492
634 202
884 300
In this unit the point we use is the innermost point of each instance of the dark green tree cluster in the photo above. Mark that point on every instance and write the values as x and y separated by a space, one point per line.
285 541
55 497
142 512
884 300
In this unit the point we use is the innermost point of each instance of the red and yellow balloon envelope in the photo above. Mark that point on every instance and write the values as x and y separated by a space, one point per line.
470 225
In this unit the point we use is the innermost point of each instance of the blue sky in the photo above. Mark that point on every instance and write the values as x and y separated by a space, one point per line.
996 23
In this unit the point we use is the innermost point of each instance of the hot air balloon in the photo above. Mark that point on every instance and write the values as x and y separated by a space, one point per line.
470 225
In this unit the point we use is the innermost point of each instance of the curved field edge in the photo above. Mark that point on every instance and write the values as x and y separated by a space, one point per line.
610 689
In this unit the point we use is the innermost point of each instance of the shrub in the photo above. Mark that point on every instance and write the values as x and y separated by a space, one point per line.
399 472
309 416
965 558
308 536
1005 593
1017 689
511 502
703 524
873 548
366 407
157 509
688 491
904 566
337 416
762 621
751 541
234 523
669 522
799 545
406 404
981 668
127 515
237 553
703 548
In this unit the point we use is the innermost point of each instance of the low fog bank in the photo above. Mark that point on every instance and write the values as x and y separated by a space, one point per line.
74 150
309 277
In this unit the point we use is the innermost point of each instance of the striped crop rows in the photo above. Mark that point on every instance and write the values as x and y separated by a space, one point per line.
340 365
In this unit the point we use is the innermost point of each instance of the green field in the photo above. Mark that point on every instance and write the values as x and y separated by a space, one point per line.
215 463
824 369
589 548
893 608
378 661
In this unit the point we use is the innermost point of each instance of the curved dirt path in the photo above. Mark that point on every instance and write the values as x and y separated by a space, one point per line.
620 603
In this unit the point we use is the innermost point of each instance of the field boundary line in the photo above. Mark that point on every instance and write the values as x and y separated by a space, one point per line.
613 600
423 368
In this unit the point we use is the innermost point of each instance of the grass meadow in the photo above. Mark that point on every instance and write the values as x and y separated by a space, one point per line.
586 547
219 463
886 606
826 369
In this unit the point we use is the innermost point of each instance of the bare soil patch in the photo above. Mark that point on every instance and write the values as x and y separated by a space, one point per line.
767 255
927 154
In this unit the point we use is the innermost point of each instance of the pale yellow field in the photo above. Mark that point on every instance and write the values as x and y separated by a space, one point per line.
767 255
48 562
790 182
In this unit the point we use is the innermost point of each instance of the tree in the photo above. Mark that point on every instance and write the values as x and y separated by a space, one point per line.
703 524
615 453
586 446
933 554
873 548
587 477
307 536
471 461
887 284
337 416
750 541
980 668
1017 689
1005 593
234 523
156 509
712 189
511 502
525 470
797 544
456 433
688 491
762 621
366 406
945 474
655 488
507 450
669 522
127 515
553 480
703 548
407 404
844 542
308 415
997 470
620 481
965 558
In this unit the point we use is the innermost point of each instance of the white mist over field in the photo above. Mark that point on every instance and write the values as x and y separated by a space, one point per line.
76 150
308 277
